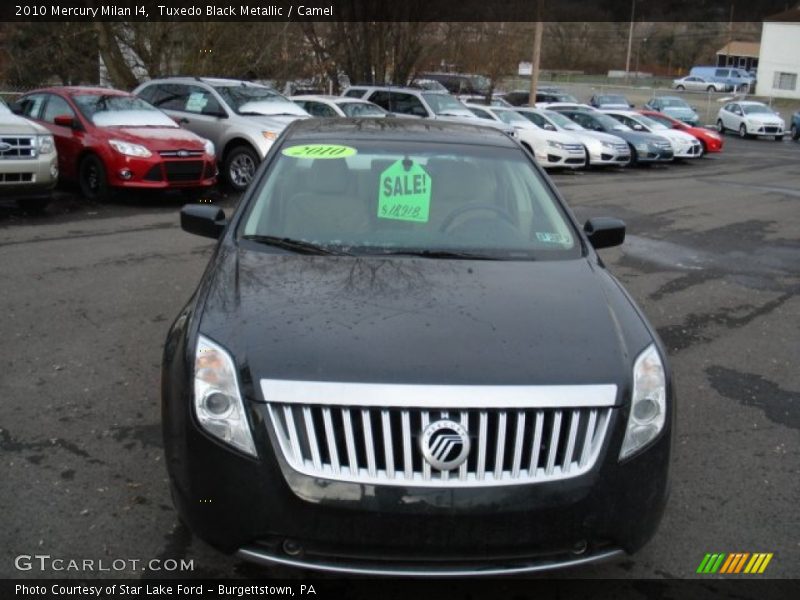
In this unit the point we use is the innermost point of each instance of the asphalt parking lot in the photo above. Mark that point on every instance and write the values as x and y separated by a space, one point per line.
88 292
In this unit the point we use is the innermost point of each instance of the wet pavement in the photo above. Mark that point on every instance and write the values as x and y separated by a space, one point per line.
712 257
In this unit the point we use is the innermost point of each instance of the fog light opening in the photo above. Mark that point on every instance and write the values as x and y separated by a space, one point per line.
125 173
579 547
292 548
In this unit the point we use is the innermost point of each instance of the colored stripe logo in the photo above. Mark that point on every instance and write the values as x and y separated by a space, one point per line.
734 563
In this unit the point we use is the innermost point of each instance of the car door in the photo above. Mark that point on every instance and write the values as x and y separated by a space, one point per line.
69 140
734 116
202 112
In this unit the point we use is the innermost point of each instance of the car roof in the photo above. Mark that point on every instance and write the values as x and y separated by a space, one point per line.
81 89
393 129
749 102
213 81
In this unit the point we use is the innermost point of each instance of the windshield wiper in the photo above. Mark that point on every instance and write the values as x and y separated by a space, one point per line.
451 254
449 113
298 246
261 114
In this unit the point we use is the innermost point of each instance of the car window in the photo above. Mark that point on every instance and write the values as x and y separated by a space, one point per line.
319 109
56 106
31 106
480 113
118 110
361 109
407 104
169 96
382 99
354 93
561 121
535 118
393 197
200 101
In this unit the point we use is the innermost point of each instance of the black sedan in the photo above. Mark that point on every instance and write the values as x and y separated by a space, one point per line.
645 147
405 357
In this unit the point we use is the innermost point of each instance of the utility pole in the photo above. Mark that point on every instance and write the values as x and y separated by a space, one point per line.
537 52
630 41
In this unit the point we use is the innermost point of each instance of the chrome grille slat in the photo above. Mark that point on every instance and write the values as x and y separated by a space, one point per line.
18 147
312 438
380 444
330 437
350 441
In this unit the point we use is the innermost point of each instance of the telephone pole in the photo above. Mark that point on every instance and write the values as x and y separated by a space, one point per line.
537 52
630 41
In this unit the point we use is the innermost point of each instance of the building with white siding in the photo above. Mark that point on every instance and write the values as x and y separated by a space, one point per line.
779 60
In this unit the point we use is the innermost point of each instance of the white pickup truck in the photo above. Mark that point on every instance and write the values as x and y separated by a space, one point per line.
28 161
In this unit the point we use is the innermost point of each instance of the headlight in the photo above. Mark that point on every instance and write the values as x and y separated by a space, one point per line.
648 402
46 145
269 135
208 146
217 402
129 149
553 144
643 147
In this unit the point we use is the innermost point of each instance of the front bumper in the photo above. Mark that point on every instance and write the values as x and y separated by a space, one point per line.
655 155
693 150
270 513
764 130
552 158
22 178
609 156
161 174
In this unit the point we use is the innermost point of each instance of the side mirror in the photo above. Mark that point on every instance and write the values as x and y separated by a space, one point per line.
605 232
549 127
638 127
65 121
203 219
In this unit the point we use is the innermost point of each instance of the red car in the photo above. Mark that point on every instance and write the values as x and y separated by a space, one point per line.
711 140
109 139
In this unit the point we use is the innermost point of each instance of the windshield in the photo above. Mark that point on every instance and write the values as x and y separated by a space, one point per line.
480 83
510 117
361 109
612 100
561 121
565 98
430 199
121 111
250 99
609 122
756 109
445 104
662 119
651 123
674 103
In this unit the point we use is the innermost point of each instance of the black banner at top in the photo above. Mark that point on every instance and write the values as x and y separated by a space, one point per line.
390 10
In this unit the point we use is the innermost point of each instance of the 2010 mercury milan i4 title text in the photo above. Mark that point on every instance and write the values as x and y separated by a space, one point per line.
405 357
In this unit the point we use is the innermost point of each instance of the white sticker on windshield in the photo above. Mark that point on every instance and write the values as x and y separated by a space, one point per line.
551 238
197 102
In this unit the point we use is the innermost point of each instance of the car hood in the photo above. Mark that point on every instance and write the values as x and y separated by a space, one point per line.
408 320
596 135
157 138
16 125
677 112
636 137
766 120
275 123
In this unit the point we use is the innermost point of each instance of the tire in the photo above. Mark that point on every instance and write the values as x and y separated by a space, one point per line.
93 179
795 132
711 88
720 126
239 167
680 88
743 131
634 157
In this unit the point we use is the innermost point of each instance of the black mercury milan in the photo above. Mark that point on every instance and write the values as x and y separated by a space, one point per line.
406 357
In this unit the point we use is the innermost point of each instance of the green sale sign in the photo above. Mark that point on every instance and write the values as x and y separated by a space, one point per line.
405 192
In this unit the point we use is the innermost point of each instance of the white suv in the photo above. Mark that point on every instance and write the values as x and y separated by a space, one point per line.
28 161
750 118
242 119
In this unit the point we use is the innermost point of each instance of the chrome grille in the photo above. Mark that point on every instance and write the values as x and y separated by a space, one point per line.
573 147
16 147
16 178
180 153
360 433
622 148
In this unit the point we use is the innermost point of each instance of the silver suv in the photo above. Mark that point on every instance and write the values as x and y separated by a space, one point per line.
28 161
421 103
243 119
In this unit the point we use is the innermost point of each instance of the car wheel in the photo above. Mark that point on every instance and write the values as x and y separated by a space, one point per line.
720 126
634 156
795 132
711 89
93 179
240 166
680 88
742 131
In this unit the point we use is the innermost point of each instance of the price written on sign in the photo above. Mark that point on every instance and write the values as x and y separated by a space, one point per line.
405 192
